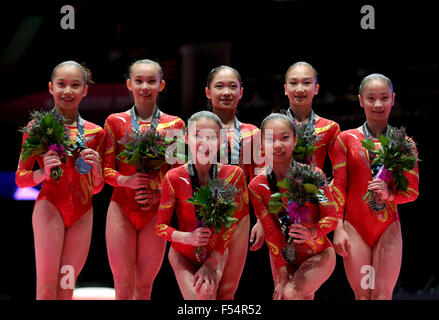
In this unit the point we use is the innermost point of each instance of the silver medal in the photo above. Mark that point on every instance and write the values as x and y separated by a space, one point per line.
81 166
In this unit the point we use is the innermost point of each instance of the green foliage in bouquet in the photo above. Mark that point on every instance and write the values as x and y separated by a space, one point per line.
303 184
397 154
215 204
306 140
46 132
147 150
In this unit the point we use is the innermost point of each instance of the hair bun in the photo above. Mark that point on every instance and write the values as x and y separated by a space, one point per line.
88 72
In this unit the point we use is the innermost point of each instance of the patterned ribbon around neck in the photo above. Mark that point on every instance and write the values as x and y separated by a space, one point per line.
368 133
135 120
234 155
311 118
284 220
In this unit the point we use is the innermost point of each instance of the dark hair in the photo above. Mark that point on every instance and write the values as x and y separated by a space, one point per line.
214 71
204 114
280 116
147 61
86 72
375 76
302 63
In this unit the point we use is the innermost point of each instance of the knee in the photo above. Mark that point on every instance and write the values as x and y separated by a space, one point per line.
205 295
124 290
292 292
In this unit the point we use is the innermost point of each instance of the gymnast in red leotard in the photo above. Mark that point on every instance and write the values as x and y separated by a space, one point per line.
224 91
135 252
301 86
368 237
199 279
315 256
63 212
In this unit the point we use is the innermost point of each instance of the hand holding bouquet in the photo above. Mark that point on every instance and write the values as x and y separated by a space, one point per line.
303 184
146 151
396 155
46 132
214 205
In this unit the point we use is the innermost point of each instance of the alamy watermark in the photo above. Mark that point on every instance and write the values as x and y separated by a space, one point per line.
212 148
368 280
368 20
68 20
67 282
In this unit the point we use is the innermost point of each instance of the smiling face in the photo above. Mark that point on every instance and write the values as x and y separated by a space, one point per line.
225 90
68 87
145 83
377 99
279 141
203 139
300 86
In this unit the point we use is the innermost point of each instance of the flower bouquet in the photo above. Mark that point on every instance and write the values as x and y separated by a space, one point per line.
214 205
146 150
396 155
303 184
306 140
46 132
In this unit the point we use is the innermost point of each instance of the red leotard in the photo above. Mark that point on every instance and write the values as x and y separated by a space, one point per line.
118 126
323 218
327 131
352 173
72 194
176 189
250 136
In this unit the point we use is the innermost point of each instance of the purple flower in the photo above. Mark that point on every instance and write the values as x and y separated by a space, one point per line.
384 174
59 148
298 180
200 224
298 214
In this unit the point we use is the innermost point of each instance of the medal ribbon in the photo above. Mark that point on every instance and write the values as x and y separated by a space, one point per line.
237 141
80 141
80 165
311 118
284 220
135 120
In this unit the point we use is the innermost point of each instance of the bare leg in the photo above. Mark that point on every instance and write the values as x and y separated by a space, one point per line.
360 255
49 231
121 247
310 275
150 252
185 272
387 257
238 249
76 247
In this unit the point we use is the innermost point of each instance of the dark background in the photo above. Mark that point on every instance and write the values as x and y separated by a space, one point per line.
261 39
